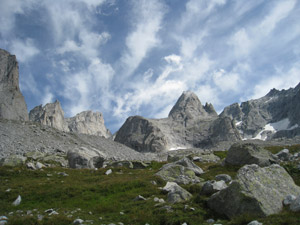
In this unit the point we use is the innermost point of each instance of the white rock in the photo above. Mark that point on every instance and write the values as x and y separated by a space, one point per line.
295 205
254 222
78 221
17 201
39 165
108 172
289 199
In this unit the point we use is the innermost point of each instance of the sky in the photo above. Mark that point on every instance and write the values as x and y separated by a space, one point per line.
136 57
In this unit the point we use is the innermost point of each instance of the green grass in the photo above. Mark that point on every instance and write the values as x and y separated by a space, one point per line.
275 149
98 195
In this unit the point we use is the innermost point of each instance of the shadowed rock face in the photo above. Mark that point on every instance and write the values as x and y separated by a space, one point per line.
86 122
278 109
189 124
12 103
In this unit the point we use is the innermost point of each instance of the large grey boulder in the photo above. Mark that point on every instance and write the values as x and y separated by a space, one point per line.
88 122
182 172
50 115
241 154
85 158
12 103
176 193
258 191
13 161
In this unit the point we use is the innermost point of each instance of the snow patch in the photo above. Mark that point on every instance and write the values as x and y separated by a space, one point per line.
177 148
273 128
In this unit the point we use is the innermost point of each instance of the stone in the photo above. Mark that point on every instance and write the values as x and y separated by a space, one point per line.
84 158
254 222
284 155
210 221
78 222
213 186
88 122
190 165
241 154
39 165
12 103
30 165
224 177
177 173
17 201
139 198
288 200
64 174
13 161
176 193
182 172
108 172
295 205
258 191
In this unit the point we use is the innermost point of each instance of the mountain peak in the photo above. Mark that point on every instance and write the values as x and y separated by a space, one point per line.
189 107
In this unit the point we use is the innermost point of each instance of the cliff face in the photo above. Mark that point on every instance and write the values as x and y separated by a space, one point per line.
275 115
189 124
12 103
87 122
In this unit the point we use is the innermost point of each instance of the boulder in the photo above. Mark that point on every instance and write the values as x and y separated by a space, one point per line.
284 155
85 158
12 103
289 199
17 201
176 193
254 222
258 191
13 160
182 172
224 177
295 205
241 154
213 186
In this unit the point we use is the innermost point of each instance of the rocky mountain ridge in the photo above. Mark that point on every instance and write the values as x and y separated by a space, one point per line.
87 122
273 116
189 125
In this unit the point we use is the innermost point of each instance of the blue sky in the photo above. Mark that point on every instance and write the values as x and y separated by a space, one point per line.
136 57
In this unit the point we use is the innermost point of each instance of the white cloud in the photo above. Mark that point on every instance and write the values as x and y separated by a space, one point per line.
278 13
206 93
148 17
281 80
227 81
48 96
241 43
173 59
24 50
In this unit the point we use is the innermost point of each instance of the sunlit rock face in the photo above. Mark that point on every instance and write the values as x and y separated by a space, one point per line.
12 103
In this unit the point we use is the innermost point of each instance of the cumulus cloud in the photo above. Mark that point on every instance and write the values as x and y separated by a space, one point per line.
227 81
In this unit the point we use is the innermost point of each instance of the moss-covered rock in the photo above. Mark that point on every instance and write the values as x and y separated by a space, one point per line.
258 191
241 154
13 160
